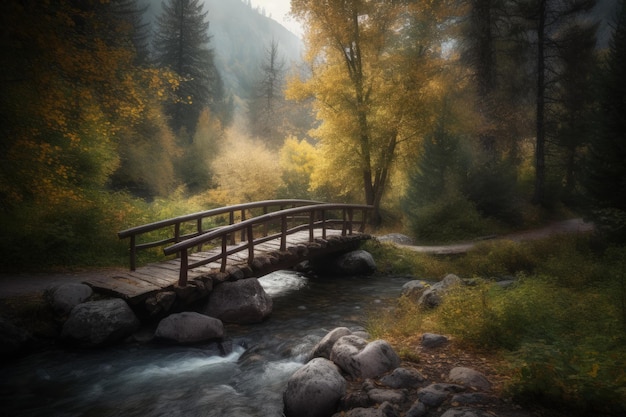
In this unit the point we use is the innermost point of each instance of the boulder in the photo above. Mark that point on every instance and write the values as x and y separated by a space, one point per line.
314 390
100 322
360 359
160 302
384 410
415 288
433 296
469 378
243 302
189 327
432 340
435 394
67 296
325 346
358 262
403 378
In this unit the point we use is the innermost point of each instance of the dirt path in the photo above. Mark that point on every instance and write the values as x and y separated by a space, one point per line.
15 285
565 226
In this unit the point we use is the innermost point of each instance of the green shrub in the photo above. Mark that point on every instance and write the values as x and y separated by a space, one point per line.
451 218
562 325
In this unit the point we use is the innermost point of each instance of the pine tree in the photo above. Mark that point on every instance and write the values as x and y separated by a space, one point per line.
181 44
606 163
265 105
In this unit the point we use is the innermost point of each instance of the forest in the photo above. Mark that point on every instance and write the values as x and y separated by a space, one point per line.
455 119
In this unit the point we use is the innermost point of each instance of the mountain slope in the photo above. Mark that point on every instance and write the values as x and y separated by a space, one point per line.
240 37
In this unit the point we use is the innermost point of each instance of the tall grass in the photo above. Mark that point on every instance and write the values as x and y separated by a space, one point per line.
562 326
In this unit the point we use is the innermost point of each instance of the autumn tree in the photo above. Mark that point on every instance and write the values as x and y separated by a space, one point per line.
245 170
368 71
70 96
181 43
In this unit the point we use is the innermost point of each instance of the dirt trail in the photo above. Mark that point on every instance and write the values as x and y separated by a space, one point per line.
22 284
565 226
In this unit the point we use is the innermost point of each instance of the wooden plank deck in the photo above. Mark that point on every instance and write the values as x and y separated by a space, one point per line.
155 277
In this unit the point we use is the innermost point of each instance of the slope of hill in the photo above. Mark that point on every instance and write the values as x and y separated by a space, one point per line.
240 37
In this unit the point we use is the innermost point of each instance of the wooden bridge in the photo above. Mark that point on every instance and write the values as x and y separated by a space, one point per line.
231 243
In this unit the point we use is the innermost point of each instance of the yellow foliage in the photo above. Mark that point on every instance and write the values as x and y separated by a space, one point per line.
245 171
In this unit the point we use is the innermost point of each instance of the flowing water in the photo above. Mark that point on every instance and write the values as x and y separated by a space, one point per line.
159 380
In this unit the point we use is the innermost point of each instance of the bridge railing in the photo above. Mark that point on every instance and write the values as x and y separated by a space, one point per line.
310 218
182 228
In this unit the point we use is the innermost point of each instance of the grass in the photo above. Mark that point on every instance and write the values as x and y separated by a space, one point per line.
561 327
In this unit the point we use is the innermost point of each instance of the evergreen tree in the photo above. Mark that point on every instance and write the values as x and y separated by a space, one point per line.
265 106
606 163
542 21
181 43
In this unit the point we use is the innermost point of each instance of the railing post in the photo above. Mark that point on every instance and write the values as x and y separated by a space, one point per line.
133 253
283 233
184 263
231 219
177 235
312 226
199 230
323 224
243 231
224 257
344 225
265 211
363 220
350 217
250 245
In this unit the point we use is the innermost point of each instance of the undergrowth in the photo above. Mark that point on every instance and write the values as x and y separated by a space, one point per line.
561 326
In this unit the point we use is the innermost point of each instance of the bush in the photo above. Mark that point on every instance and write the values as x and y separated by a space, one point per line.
450 218
562 325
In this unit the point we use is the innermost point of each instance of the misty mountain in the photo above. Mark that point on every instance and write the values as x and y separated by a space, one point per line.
240 37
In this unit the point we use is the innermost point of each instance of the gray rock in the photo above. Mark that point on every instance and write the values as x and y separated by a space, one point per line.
418 409
432 297
243 302
469 378
379 396
403 378
385 410
360 359
507 283
431 340
314 390
67 296
465 412
357 262
160 302
435 394
415 288
325 346
189 327
100 322
466 398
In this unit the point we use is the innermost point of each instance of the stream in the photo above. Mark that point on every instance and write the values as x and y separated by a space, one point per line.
162 380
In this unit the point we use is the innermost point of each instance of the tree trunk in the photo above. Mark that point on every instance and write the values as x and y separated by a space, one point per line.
540 163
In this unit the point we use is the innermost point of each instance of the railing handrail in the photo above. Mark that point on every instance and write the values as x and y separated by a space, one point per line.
227 230
181 248
150 227
133 232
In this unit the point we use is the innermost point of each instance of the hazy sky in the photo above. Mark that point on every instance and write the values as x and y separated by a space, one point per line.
279 10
